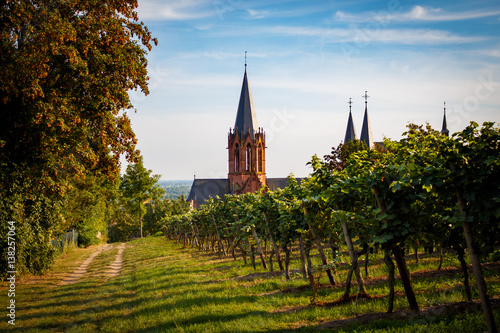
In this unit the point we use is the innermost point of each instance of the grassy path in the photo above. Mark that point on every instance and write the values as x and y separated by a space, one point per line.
164 288
82 269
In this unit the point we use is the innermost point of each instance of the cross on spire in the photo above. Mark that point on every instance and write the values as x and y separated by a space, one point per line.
245 60
350 103
366 97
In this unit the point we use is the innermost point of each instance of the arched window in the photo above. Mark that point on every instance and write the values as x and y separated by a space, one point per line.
248 158
260 159
236 158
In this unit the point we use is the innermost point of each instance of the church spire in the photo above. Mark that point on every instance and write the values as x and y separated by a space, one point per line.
444 129
246 146
366 130
350 133
246 120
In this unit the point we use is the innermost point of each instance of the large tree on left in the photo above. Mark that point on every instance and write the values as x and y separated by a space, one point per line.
66 69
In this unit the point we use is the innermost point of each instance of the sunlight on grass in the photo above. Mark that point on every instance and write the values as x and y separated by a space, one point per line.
165 288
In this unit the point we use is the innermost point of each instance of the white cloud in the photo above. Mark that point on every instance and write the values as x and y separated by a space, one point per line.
416 14
175 10
377 34
434 14
257 14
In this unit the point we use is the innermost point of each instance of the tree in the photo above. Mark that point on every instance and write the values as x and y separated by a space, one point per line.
67 67
87 208
473 162
138 186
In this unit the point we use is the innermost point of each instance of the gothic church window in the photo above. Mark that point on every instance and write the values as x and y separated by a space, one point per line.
236 158
248 158
260 158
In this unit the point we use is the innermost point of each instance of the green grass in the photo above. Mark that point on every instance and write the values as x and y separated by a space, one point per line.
165 288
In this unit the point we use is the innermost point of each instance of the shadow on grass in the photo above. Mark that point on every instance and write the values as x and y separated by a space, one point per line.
87 310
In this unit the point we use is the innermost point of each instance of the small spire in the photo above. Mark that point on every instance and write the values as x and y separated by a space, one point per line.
350 133
444 129
366 129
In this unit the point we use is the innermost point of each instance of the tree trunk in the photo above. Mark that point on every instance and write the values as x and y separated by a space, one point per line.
390 266
461 253
320 250
214 240
415 247
176 235
252 255
307 250
302 258
347 292
354 259
271 268
476 266
367 254
405 277
219 240
287 262
400 260
440 258
276 248
259 248
243 252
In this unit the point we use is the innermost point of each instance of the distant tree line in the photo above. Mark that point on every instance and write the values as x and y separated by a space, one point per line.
174 190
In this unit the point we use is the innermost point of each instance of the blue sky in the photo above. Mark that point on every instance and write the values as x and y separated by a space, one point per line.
305 60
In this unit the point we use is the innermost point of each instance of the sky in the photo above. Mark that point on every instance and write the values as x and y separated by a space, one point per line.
305 60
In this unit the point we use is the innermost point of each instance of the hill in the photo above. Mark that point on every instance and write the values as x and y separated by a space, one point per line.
176 188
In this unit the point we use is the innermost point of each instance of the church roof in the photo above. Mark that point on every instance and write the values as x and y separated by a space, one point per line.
246 120
350 133
279 183
366 130
203 189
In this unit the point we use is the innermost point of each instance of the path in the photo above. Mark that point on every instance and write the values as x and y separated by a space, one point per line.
113 270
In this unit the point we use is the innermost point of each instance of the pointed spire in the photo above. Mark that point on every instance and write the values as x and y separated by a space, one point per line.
444 129
366 130
246 120
350 133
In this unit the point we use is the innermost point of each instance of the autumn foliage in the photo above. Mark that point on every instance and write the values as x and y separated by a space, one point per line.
66 69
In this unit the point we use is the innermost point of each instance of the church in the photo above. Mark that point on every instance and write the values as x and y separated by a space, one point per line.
247 157
247 153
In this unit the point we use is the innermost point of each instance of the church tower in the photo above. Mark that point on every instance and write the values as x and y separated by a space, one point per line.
444 128
350 133
246 146
366 130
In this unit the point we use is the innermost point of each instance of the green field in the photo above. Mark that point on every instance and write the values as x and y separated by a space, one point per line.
164 287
